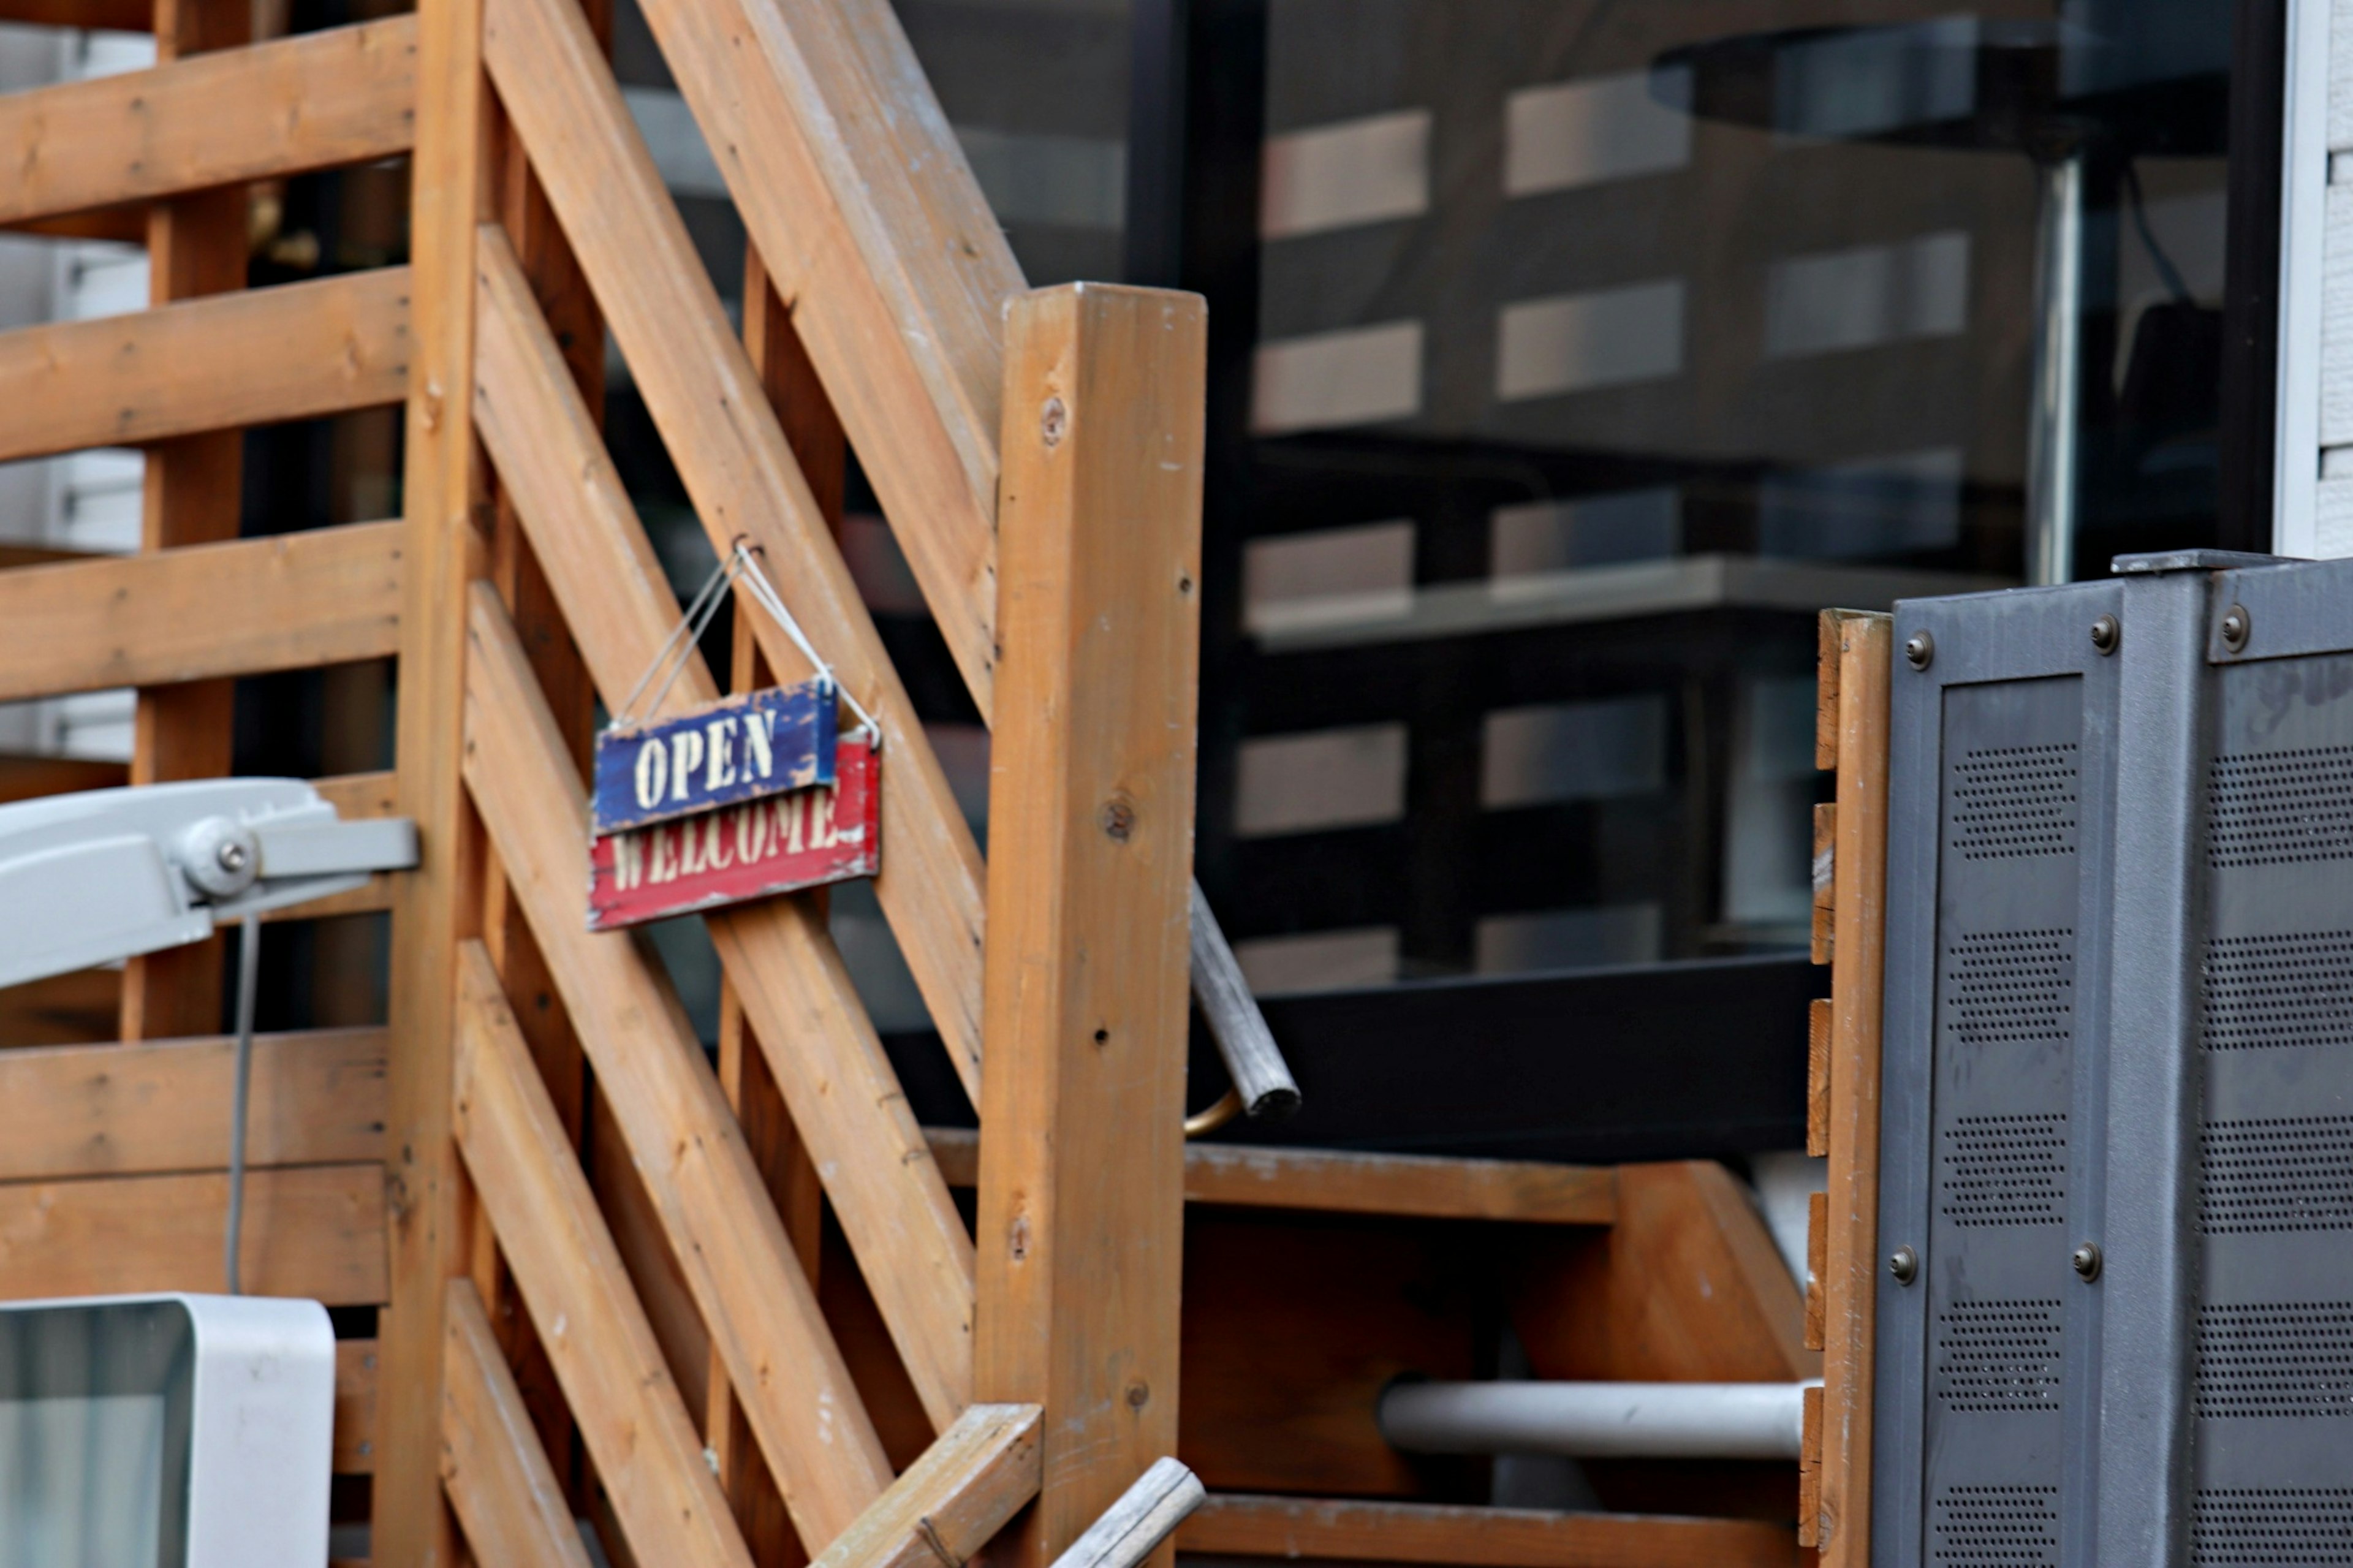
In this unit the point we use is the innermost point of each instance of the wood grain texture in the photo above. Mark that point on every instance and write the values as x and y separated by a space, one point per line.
1686 1287
631 1417
492 1466
324 596
859 197
309 1230
1332 1182
823 1051
439 903
1818 1077
712 412
257 357
142 1107
343 95
721 1226
1091 822
1865 648
355 1379
953 1500
1245 1526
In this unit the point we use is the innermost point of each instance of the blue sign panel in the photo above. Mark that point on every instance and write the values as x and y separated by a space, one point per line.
737 749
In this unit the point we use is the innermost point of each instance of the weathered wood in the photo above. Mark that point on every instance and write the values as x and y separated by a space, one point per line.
355 1370
687 1147
1810 1470
309 1230
317 1098
1333 1181
1817 1229
740 473
1082 1176
1261 1077
253 358
858 195
631 1417
492 1465
439 903
824 1053
1818 1077
1686 1287
1825 915
1864 646
1243 1526
344 95
953 1500
191 492
1146 1514
287 602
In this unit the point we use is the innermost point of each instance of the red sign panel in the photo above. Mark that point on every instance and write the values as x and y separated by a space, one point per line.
773 845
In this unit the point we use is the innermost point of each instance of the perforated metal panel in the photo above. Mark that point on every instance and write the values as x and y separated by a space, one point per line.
2120 1013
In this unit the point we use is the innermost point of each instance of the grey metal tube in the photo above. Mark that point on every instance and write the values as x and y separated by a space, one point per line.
1598 1420
1252 1059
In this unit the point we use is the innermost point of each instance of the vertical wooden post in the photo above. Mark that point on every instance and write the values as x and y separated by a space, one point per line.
193 493
810 425
426 1205
1860 648
1090 864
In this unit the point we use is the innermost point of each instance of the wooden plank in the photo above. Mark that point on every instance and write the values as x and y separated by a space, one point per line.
1818 1077
860 200
309 1230
254 358
1850 1277
496 1473
1091 828
324 596
631 1417
1825 913
135 1108
1686 1287
1244 1526
439 903
117 226
30 778
951 1502
823 1051
343 95
82 1009
355 1370
191 492
1335 1182
739 471
111 15
1809 1469
721 1226
1817 1230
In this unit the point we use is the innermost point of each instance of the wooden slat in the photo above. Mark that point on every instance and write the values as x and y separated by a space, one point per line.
30 778
1864 645
309 1230
1089 887
137 1108
844 1095
113 16
1332 1182
860 200
721 1226
1818 1077
355 1370
254 358
496 1472
439 903
953 1500
1243 1526
631 1417
739 471
1825 913
290 601
344 95
81 1008
1818 1232
1809 1469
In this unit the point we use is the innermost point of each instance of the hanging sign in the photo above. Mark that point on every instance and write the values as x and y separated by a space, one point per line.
737 749
775 844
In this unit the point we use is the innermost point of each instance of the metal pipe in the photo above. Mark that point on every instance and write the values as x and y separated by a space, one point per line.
1252 1059
1142 1517
1598 1420
2051 458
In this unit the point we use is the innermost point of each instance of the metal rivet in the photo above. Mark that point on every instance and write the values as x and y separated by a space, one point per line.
2237 626
231 855
2106 634
2086 1260
1905 1264
1918 649
1053 421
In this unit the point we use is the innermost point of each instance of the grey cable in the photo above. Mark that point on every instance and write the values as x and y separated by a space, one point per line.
249 966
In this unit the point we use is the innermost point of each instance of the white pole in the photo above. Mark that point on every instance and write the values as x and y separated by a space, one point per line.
1141 1519
1598 1420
